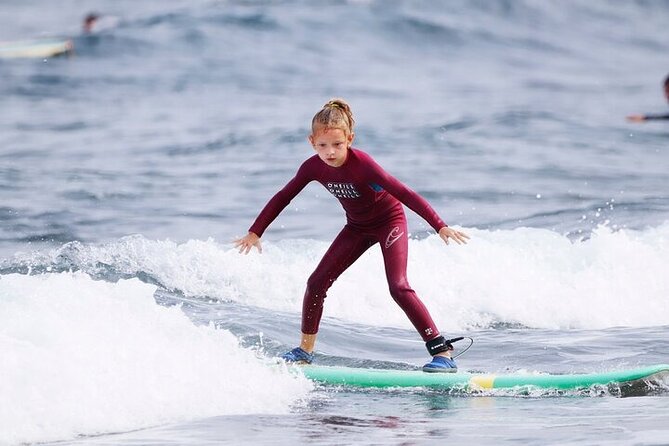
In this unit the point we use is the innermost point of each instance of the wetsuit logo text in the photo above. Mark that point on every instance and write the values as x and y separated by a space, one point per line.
343 190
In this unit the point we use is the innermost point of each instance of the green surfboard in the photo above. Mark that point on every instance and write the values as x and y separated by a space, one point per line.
383 378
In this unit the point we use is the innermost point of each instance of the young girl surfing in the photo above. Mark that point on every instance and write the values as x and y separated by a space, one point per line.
372 200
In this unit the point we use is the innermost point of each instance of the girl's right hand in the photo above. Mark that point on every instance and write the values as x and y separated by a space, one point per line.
247 242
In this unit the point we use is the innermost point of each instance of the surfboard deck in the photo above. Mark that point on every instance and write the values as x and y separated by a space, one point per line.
384 378
35 48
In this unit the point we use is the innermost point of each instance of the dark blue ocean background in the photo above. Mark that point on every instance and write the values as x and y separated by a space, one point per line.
127 168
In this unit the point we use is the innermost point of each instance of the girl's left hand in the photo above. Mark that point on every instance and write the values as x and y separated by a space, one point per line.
460 237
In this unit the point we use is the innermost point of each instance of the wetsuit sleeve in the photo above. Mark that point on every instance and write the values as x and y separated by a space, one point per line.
280 200
656 117
407 196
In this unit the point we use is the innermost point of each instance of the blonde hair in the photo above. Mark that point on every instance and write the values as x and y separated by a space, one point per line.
336 114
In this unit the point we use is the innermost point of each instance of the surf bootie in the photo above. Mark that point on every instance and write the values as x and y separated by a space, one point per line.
298 355
441 364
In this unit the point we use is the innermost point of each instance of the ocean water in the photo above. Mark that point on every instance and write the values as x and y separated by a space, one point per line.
127 169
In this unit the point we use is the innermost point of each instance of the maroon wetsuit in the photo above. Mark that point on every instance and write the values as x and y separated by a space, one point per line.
372 199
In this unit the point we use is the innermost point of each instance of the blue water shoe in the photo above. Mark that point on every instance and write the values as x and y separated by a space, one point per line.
441 364
298 355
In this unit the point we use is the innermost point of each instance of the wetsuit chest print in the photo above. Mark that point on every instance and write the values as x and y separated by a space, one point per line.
343 190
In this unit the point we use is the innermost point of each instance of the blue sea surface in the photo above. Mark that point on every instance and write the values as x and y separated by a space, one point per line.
128 168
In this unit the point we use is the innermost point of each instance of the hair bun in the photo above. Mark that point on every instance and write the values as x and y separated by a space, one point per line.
336 113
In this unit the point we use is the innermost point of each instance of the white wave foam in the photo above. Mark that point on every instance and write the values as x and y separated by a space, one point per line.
534 277
82 357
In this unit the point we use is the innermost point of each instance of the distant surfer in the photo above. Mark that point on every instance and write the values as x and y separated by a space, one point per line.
89 22
640 118
94 23
372 200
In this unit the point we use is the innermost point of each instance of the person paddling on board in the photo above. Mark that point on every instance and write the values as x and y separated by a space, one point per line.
89 22
95 23
640 118
372 200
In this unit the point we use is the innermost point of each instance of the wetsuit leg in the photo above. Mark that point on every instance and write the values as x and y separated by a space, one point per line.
346 248
394 242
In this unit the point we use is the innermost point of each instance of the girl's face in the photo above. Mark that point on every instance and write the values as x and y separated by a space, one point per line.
331 145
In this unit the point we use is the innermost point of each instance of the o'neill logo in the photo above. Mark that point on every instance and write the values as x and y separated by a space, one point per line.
393 236
343 190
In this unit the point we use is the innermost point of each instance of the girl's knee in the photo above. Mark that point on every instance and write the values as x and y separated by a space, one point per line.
318 284
401 290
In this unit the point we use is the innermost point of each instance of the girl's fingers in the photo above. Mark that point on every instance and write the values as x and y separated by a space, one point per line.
459 237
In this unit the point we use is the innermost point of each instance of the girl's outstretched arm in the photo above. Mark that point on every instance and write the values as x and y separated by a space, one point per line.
249 241
273 208
460 237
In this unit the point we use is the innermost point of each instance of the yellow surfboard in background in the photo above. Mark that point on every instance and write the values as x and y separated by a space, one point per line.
36 48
